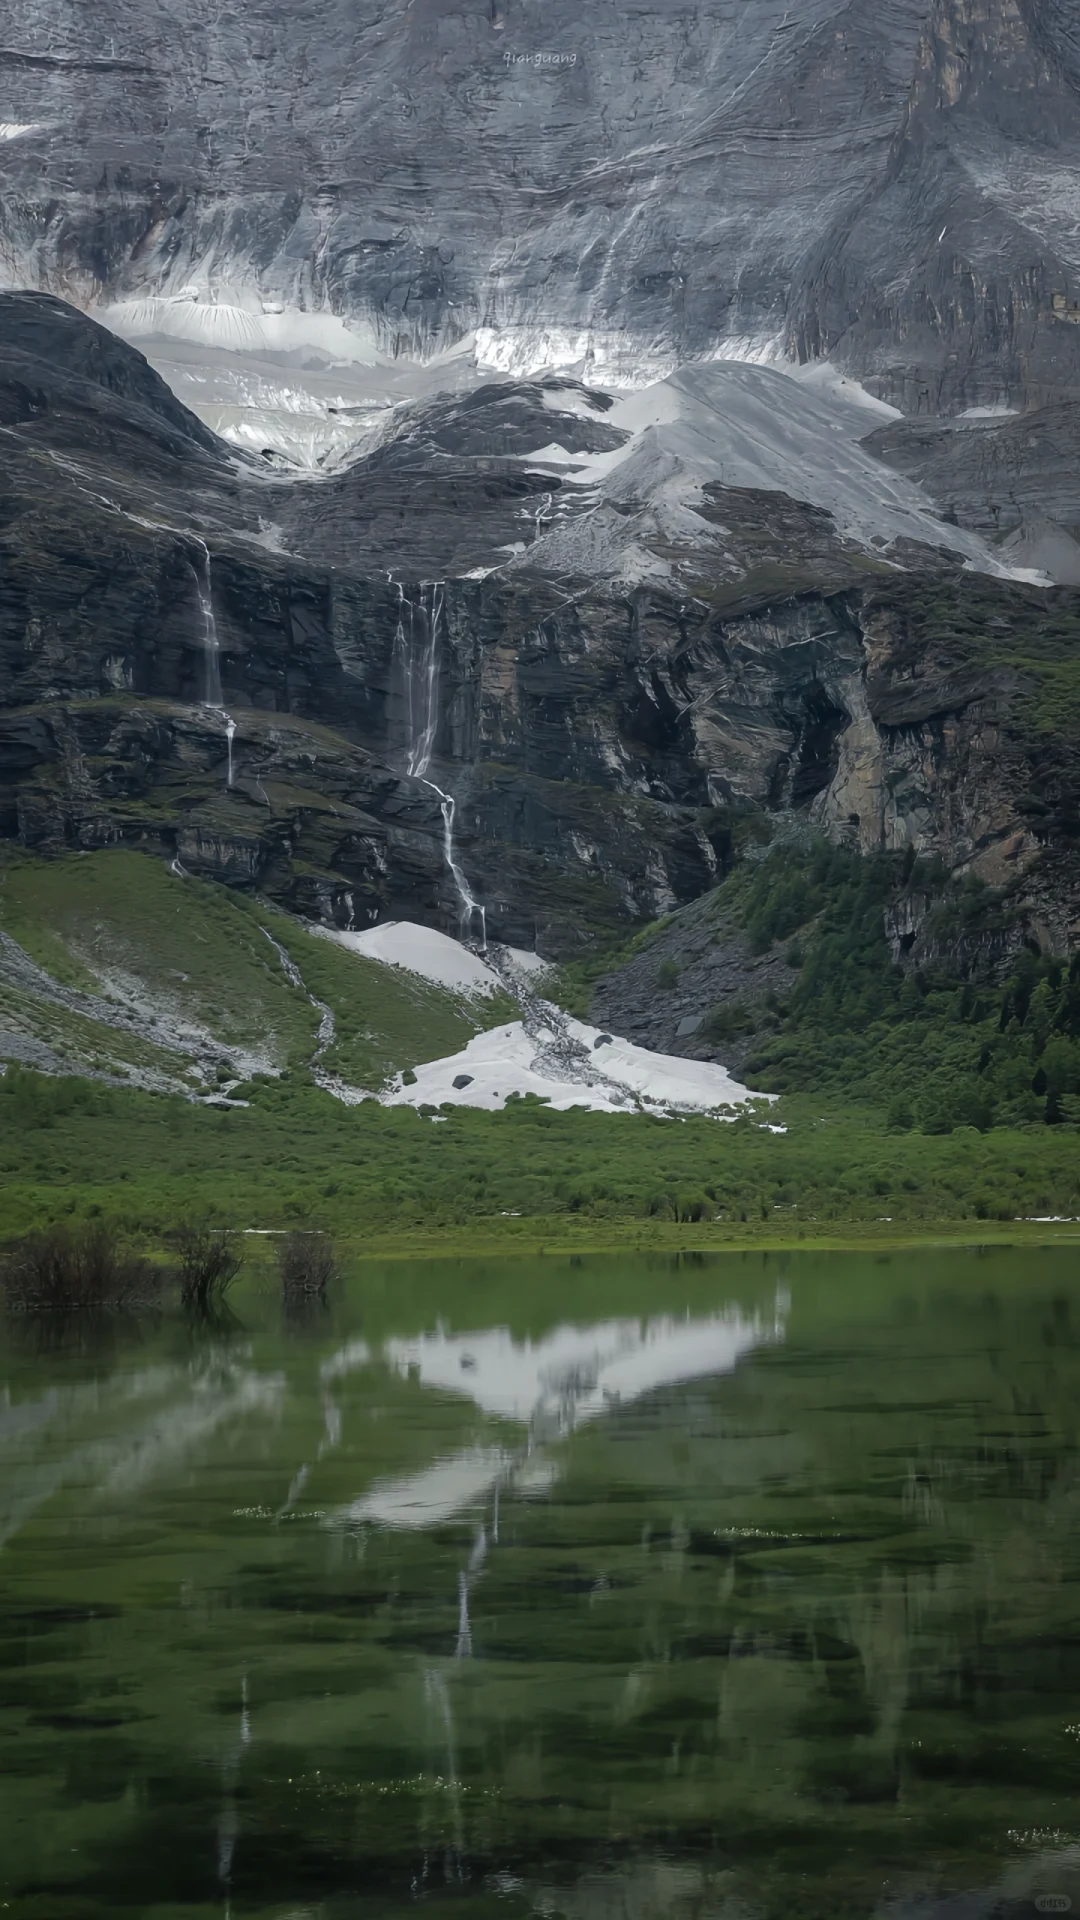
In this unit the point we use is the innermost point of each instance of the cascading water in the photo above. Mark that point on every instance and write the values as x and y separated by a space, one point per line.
417 659
212 692
212 696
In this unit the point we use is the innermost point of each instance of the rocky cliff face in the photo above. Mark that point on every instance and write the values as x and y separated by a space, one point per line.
891 181
283 686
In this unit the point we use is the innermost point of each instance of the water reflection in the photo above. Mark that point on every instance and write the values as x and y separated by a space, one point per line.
573 1374
195 1402
707 1605
550 1386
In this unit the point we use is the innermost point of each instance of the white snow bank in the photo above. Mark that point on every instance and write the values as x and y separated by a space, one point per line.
562 1061
238 328
532 965
736 424
424 951
312 410
435 956
614 1077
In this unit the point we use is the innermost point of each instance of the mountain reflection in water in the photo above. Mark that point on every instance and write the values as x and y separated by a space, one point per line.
626 1589
552 1386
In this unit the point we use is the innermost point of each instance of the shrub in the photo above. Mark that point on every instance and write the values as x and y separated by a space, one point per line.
65 1270
208 1261
306 1263
667 974
729 1019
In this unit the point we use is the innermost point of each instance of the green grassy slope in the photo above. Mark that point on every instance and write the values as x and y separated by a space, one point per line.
193 966
196 963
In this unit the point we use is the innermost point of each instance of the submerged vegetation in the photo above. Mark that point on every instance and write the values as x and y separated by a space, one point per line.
306 1264
208 1262
66 1270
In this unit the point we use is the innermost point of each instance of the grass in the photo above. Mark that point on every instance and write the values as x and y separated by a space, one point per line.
120 925
71 1151
854 1039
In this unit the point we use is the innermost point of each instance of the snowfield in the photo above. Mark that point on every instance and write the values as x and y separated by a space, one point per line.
511 1061
546 1053
429 954
736 424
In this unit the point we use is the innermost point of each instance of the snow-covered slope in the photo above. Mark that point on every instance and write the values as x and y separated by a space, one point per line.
546 1053
596 1070
730 425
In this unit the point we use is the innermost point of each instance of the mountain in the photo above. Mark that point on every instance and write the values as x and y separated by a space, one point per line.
886 181
568 456
598 630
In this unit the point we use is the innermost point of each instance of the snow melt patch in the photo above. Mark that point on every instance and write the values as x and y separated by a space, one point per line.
436 957
433 956
737 424
604 1073
237 328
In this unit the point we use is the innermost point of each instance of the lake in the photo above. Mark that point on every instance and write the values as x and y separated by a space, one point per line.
703 1587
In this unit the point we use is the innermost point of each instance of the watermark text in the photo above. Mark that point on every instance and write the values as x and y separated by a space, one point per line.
540 59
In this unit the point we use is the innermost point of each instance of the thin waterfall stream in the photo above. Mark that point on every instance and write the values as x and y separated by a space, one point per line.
212 691
418 662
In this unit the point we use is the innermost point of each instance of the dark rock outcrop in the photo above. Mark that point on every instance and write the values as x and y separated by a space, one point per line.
602 744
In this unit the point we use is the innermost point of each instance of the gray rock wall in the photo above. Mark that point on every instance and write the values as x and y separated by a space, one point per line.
888 180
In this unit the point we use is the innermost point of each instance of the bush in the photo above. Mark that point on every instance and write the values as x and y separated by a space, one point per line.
729 1019
66 1270
307 1265
667 974
209 1263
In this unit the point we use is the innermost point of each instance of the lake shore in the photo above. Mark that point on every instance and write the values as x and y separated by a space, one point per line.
555 1235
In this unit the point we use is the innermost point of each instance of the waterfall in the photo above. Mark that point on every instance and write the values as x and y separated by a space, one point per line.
416 657
211 650
212 694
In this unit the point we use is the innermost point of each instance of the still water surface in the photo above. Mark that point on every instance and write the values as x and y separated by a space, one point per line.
700 1588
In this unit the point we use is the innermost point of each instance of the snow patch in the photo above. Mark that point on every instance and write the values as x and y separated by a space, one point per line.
433 956
734 424
238 328
608 1075
601 358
